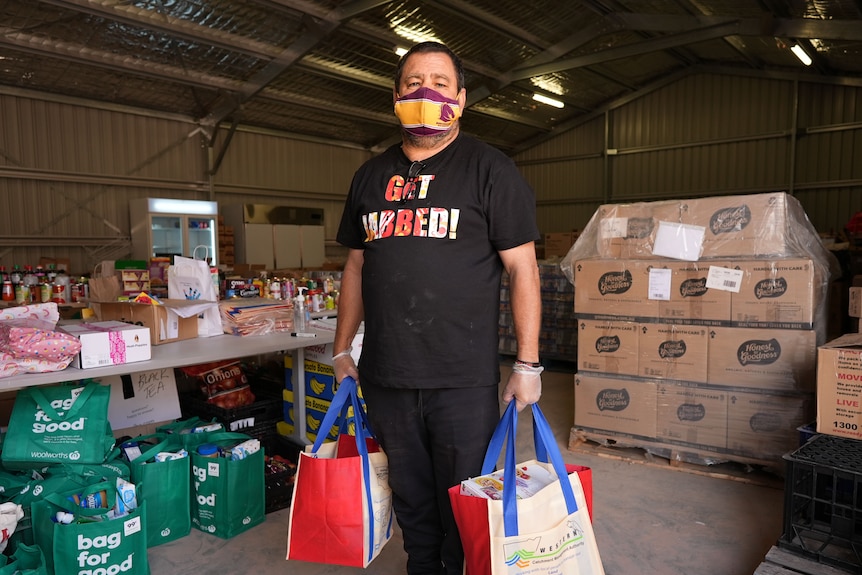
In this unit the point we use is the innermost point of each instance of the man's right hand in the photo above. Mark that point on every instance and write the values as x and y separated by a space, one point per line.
343 365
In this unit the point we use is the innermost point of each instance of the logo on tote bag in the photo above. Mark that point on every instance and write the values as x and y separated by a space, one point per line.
94 555
535 550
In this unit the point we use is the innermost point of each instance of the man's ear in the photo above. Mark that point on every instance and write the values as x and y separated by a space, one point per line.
462 99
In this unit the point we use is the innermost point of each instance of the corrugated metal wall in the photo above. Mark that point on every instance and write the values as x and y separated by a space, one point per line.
68 169
708 135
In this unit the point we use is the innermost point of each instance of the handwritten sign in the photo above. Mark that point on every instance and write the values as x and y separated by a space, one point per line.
142 398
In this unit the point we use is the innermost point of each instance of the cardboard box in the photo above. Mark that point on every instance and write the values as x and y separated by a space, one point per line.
691 415
622 406
319 371
751 225
741 226
608 347
559 243
764 425
691 302
855 307
779 293
839 387
628 230
162 320
109 343
773 359
614 289
669 351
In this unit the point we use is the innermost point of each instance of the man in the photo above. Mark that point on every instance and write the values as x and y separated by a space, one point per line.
430 224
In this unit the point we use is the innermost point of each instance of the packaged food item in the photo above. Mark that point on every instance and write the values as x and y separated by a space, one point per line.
223 383
208 450
170 455
244 449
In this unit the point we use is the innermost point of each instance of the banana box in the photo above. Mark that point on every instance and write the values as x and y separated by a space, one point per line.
315 409
319 372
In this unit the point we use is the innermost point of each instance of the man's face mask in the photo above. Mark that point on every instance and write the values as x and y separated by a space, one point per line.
426 112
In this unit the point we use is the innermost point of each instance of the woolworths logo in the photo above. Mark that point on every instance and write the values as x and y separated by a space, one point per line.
72 456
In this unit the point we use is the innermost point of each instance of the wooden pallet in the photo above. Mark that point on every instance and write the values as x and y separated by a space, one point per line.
783 562
751 471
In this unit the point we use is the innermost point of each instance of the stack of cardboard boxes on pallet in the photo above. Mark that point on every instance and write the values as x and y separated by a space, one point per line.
699 322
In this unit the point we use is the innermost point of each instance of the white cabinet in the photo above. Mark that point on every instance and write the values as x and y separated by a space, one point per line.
278 237
167 228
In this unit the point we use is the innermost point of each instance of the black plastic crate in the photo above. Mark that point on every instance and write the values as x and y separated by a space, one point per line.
243 419
823 502
279 483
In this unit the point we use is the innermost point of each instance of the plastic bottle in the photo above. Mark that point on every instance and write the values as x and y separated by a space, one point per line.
300 311
62 288
15 276
33 289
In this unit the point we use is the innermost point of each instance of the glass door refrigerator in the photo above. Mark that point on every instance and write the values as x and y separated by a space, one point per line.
164 228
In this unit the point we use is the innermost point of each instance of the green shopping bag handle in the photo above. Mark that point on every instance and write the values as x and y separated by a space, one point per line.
45 405
61 499
545 445
163 440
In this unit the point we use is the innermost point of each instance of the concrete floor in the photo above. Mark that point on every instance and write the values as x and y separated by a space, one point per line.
648 518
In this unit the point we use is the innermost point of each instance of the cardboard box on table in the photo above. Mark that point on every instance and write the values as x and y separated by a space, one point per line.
166 322
109 343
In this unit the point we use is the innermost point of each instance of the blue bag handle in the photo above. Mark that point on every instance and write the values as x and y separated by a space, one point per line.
345 397
546 448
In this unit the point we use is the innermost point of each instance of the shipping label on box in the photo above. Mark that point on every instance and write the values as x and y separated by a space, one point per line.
690 415
839 387
109 343
622 406
608 347
779 293
614 289
775 359
691 302
740 226
764 425
670 351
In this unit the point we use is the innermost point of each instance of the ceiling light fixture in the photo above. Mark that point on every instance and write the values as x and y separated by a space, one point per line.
549 101
800 53
399 51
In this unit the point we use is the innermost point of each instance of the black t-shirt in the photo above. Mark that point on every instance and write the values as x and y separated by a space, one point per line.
431 272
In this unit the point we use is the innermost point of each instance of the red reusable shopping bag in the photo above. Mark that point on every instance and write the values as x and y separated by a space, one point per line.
341 512
475 515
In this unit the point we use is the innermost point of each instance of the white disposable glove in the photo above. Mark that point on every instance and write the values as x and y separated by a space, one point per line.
343 365
524 385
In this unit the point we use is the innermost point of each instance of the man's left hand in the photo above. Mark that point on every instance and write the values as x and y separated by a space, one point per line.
524 386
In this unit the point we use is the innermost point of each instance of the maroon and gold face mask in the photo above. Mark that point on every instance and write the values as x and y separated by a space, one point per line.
427 112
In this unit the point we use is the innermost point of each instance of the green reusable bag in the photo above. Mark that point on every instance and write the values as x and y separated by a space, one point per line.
165 486
182 429
91 543
25 560
228 497
66 423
